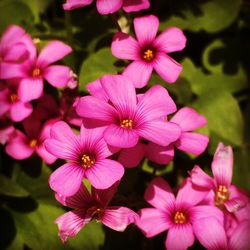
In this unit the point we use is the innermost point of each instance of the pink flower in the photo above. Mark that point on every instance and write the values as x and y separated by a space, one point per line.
219 189
11 103
21 146
86 154
191 142
149 52
109 7
6 129
35 69
88 206
180 215
126 117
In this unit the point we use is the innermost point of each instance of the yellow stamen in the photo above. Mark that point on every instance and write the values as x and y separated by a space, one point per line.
148 55
127 123
179 218
221 195
87 161
36 72
33 143
13 97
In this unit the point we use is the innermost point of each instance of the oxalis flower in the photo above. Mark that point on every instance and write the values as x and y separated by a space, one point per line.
86 155
109 6
180 215
219 190
88 206
149 52
127 117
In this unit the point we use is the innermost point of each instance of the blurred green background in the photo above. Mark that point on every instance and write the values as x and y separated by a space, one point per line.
215 80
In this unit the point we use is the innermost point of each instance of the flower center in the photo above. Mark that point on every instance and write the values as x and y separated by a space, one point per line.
13 98
36 72
179 218
96 212
221 195
127 123
33 143
148 55
87 161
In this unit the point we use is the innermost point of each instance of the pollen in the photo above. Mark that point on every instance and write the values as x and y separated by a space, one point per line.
33 143
87 161
148 55
179 218
127 123
13 98
36 72
221 195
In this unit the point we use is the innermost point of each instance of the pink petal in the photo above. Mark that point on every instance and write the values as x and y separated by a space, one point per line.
121 92
155 103
240 239
160 132
108 6
193 143
67 179
20 111
159 154
24 90
73 4
210 233
118 218
160 195
153 221
135 5
16 53
92 107
170 40
70 223
4 102
95 88
125 47
201 179
131 157
180 237
18 147
11 70
146 28
234 204
45 155
188 119
52 52
168 69
222 165
139 73
120 137
104 173
189 194
57 75
6 133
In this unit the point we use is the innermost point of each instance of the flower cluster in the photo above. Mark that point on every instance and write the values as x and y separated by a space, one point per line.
118 125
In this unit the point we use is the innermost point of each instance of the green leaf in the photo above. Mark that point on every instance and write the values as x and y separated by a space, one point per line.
98 64
10 188
223 115
15 12
211 16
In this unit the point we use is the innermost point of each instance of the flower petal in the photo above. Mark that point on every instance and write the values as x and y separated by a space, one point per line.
104 173
160 132
193 143
74 4
160 195
57 75
52 52
95 88
135 5
108 6
20 111
67 179
153 221
45 155
125 47
168 69
222 165
146 28
180 237
118 218
188 119
11 70
26 85
139 73
170 40
160 154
